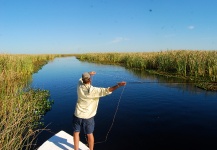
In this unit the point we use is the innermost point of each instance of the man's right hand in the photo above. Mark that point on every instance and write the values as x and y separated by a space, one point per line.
92 73
123 83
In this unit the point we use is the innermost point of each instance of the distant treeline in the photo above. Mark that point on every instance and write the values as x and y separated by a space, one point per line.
199 66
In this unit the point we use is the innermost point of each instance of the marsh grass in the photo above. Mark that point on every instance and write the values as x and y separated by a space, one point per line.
198 66
21 107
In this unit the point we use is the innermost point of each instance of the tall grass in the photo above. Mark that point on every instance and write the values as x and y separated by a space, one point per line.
21 108
197 65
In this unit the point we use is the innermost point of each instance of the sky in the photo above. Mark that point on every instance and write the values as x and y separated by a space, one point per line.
86 26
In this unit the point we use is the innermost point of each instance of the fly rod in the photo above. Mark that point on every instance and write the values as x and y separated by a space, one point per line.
144 82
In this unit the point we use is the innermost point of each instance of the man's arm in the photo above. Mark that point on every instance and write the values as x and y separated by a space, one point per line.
111 89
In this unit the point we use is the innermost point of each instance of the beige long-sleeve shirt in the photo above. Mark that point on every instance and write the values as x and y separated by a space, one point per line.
88 99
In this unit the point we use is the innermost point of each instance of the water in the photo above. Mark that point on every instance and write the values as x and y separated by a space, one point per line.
153 113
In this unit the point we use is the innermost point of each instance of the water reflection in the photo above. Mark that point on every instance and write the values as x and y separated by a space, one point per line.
171 82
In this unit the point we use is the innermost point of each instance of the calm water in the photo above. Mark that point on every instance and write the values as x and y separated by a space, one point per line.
152 115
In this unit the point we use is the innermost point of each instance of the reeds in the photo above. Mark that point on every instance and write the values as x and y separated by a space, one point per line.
197 65
21 108
20 115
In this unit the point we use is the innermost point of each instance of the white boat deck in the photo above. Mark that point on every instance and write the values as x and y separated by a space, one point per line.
61 141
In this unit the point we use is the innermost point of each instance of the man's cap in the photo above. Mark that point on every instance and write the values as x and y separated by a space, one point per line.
85 75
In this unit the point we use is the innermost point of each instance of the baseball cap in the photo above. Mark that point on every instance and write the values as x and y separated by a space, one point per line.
85 75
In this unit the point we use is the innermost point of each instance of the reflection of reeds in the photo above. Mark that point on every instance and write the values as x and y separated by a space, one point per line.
20 108
197 65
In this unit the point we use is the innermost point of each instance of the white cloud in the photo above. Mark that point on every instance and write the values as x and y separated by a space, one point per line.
119 39
191 27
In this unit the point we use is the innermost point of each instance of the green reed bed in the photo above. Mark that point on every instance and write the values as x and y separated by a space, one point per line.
21 107
198 66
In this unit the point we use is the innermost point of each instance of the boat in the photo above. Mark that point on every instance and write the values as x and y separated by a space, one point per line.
61 141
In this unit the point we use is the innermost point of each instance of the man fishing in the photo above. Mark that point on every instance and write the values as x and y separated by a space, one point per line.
86 107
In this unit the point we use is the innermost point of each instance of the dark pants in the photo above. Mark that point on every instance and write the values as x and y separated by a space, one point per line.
87 124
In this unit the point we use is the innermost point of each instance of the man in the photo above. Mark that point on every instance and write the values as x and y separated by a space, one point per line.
86 107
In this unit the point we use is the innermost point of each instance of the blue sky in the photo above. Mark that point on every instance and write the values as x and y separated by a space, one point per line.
79 26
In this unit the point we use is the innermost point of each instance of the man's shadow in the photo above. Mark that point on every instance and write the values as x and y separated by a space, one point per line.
61 142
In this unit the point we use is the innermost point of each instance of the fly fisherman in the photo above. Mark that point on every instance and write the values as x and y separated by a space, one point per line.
86 107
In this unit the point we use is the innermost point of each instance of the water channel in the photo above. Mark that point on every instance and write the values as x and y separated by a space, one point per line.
154 112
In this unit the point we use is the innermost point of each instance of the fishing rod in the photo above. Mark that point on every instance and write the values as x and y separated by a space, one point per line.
144 82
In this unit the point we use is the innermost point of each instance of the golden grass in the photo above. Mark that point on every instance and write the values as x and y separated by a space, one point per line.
197 65
20 107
